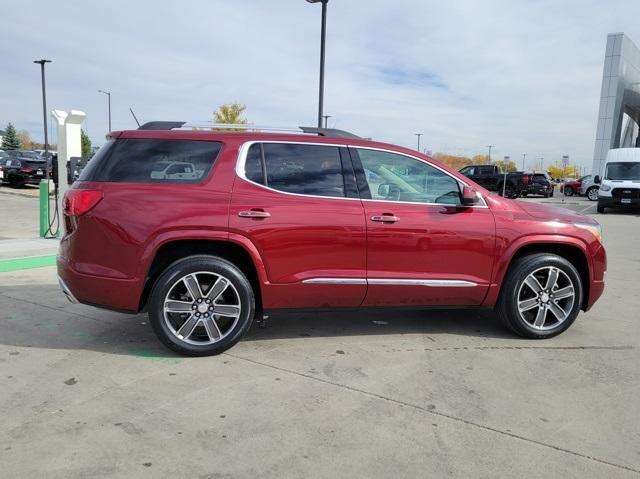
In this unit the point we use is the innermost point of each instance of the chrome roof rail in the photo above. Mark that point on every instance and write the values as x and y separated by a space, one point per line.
173 125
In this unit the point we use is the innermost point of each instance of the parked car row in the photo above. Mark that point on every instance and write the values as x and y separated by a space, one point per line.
21 167
512 185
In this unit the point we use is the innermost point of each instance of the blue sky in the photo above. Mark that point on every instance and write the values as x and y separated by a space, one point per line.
521 75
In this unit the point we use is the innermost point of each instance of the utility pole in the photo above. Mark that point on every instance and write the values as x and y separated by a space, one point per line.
419 135
490 146
524 155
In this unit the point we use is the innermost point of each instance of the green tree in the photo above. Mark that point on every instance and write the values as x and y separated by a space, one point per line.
230 113
10 140
85 144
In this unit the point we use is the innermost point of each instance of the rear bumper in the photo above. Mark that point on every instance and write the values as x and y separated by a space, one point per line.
105 292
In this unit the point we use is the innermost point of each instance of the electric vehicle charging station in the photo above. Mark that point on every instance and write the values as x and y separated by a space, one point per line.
69 145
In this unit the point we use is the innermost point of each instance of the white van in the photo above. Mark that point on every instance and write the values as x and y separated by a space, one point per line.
620 183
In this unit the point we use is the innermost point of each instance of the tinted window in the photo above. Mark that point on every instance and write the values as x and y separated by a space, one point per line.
304 169
152 161
253 164
396 177
486 170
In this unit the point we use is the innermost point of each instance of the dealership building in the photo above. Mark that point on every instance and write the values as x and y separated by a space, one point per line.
619 113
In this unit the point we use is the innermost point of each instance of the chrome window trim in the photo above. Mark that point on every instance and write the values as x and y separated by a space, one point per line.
244 150
457 180
432 283
242 159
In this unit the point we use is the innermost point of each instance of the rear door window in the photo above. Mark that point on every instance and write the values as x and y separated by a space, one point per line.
296 168
152 161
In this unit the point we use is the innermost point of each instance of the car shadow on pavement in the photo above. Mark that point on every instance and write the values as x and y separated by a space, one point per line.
38 316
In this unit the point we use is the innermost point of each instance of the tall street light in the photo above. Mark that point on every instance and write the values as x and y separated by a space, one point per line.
322 44
524 155
44 115
419 135
108 93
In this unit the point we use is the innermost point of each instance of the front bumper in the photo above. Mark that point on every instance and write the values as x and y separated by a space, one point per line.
611 202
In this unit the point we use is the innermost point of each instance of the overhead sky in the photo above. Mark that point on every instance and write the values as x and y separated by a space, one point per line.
522 75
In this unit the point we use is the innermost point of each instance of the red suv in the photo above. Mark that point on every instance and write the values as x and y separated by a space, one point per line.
206 230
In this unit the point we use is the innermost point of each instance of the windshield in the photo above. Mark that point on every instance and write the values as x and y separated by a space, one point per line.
623 171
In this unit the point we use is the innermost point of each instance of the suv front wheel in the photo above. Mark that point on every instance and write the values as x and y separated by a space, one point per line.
541 296
201 305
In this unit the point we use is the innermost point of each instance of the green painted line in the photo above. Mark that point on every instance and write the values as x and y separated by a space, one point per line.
16 264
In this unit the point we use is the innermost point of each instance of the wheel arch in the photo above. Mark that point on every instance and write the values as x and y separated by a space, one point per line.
570 250
232 250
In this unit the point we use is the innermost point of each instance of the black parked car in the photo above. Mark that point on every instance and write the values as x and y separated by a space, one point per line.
539 184
490 177
19 168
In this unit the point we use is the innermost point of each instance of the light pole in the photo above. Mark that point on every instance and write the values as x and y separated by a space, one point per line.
108 93
419 135
326 118
322 44
490 146
524 155
44 115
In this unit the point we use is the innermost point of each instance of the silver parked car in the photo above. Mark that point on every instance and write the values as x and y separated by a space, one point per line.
589 189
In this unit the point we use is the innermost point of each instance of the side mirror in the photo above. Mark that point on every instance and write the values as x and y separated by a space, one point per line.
470 196
596 180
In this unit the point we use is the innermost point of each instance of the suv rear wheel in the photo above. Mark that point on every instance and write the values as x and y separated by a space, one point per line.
201 305
541 296
592 193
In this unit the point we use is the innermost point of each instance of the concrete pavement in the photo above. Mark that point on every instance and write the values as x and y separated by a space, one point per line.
91 393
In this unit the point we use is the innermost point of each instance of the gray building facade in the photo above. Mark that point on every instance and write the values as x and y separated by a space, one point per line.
619 112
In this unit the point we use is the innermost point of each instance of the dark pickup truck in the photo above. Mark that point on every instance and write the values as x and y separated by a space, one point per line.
491 178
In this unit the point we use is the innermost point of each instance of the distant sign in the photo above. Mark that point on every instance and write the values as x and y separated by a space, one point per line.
565 160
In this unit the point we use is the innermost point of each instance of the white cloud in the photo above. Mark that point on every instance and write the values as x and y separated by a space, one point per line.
523 75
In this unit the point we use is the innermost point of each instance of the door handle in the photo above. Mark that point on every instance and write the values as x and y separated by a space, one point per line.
254 214
385 218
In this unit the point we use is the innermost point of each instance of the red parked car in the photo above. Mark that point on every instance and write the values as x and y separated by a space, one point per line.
206 230
570 188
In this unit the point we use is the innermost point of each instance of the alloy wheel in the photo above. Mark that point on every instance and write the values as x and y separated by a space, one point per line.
546 298
592 194
202 308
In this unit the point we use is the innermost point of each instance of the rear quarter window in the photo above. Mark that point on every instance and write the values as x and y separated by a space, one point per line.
152 161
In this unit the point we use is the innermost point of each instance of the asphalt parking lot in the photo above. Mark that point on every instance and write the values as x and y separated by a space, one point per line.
91 393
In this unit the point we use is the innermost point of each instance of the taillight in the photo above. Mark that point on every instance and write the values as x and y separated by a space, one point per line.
79 202
26 170
525 179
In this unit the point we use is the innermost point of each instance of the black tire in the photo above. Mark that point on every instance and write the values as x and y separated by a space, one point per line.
507 307
16 181
524 194
590 193
509 191
568 191
600 209
214 266
551 194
